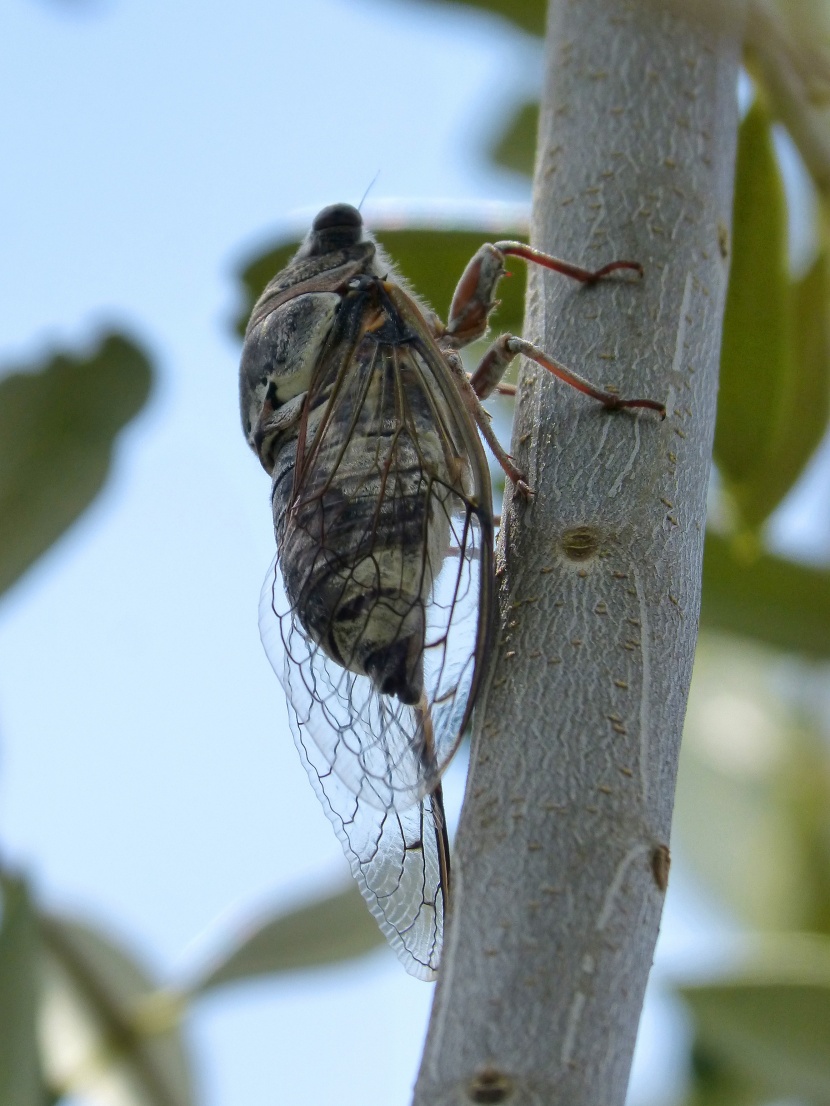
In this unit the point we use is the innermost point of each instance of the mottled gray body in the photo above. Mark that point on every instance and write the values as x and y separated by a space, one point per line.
335 382
366 536
376 612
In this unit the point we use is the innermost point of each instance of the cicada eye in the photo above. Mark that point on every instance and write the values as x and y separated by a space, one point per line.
335 228
337 216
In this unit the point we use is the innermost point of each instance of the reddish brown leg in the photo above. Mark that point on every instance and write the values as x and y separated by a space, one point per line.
505 348
474 298
587 276
469 312
500 387
482 420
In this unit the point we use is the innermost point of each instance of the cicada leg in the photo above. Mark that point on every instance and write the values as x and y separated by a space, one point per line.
494 363
482 420
505 389
474 297
471 306
486 379
576 272
501 387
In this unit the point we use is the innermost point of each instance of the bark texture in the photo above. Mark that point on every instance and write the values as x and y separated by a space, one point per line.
562 854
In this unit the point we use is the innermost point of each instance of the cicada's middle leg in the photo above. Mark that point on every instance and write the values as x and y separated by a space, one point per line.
472 304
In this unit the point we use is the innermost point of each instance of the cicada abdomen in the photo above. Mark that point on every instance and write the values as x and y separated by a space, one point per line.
365 536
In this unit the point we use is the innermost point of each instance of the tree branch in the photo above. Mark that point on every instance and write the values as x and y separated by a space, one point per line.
562 857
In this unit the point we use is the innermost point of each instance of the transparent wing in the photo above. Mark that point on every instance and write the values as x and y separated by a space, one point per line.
391 752
399 857
390 536
377 609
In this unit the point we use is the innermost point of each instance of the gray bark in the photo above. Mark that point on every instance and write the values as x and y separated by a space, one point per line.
562 854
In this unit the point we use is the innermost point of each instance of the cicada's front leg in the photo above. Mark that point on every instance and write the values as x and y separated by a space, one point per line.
472 304
474 297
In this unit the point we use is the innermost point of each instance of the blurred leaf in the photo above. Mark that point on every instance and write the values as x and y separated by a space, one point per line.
809 406
786 50
58 424
808 801
432 260
94 1043
527 14
803 408
752 813
770 1024
515 148
756 358
20 1078
332 929
715 1083
772 600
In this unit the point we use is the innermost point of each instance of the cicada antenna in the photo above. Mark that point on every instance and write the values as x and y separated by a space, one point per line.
372 184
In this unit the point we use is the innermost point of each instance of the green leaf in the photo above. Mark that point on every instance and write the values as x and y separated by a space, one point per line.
100 1041
774 397
327 931
431 259
809 401
801 416
757 776
515 147
715 1083
529 15
20 1077
58 424
769 599
769 1024
756 361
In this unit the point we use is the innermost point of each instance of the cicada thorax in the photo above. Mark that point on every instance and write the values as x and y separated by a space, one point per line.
363 526
290 325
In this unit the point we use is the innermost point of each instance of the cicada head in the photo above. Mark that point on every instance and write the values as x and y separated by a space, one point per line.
335 228
291 323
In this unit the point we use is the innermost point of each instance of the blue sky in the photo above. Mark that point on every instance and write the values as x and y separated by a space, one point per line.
148 780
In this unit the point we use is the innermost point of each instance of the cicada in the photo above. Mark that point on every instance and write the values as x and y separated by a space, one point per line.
378 611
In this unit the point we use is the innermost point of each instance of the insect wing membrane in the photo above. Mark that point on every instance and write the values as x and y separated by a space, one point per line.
398 857
391 517
388 519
